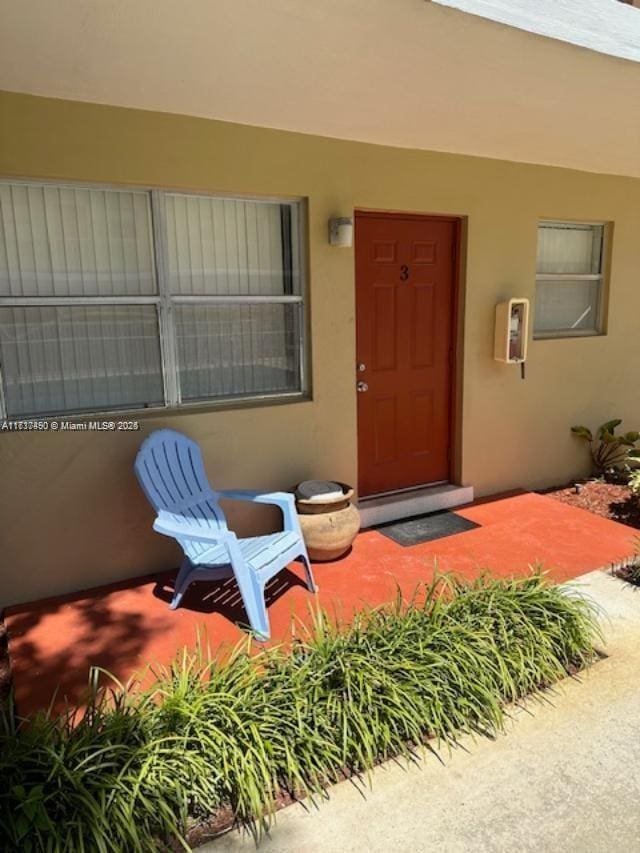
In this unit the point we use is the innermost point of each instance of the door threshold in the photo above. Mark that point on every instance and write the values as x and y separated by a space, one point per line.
380 509
408 490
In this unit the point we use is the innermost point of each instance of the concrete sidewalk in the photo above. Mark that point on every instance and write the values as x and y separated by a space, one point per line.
565 777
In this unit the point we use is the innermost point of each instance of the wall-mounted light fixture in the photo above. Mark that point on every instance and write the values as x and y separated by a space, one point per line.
341 232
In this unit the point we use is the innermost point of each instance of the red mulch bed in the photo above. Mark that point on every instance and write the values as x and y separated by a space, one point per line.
610 500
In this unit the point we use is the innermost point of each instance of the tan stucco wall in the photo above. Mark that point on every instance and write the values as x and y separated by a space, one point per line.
71 513
395 72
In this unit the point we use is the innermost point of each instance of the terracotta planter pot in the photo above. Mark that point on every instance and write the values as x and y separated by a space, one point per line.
329 527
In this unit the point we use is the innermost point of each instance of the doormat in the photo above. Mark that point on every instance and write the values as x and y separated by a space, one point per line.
426 528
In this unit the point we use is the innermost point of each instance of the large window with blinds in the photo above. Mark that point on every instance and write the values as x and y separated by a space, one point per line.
119 299
569 279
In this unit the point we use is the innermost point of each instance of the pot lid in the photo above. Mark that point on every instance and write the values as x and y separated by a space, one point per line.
318 489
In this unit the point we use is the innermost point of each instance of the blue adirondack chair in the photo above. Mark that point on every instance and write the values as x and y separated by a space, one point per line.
170 470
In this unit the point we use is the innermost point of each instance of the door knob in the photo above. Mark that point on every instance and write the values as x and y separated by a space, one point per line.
362 386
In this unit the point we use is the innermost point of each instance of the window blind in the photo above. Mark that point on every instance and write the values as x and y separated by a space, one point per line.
56 241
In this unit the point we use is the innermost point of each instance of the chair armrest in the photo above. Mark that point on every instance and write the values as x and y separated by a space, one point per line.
188 530
284 500
278 498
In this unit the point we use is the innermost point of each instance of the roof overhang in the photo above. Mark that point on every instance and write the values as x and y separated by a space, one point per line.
406 73
607 26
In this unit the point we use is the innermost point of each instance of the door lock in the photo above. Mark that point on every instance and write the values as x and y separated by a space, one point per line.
362 367
362 386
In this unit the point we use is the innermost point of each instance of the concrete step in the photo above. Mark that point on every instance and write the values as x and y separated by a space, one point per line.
374 511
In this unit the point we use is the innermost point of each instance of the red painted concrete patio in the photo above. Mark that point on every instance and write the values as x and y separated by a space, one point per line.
126 626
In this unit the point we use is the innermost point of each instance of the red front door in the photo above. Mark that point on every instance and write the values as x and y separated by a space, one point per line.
405 274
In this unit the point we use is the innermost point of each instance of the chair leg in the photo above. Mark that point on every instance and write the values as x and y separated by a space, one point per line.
182 582
256 608
311 584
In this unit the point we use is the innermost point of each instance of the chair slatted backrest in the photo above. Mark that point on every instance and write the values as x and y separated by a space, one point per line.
171 472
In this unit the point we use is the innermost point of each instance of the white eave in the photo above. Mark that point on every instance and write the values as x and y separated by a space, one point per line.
606 26
406 73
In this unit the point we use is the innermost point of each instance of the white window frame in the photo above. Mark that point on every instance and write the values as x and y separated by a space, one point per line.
600 277
164 302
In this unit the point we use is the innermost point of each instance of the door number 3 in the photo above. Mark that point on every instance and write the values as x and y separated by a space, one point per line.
404 272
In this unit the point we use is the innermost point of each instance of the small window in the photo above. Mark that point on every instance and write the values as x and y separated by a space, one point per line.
569 280
128 299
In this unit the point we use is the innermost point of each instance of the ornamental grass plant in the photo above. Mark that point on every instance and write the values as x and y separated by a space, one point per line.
135 768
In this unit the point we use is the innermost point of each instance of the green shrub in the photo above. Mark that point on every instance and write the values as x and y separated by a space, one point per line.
634 482
610 452
209 735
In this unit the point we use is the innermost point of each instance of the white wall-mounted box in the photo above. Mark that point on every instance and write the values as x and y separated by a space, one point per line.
511 331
